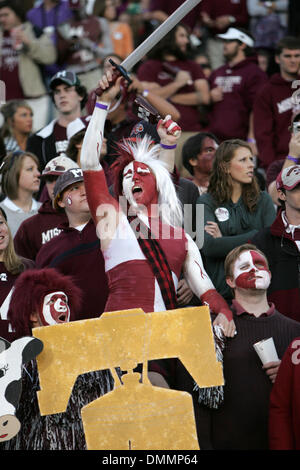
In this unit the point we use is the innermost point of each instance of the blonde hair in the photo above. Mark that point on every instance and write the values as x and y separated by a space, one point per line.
11 170
8 110
11 260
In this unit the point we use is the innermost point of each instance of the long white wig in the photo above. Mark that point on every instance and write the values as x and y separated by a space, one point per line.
170 207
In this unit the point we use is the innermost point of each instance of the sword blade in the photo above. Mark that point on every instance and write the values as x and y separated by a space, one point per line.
158 34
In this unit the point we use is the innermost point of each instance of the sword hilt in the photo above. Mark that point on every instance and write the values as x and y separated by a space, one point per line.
118 72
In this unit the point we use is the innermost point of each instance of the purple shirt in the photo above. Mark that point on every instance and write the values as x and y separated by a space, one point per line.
42 18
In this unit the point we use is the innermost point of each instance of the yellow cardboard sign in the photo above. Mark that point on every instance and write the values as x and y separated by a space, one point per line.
124 339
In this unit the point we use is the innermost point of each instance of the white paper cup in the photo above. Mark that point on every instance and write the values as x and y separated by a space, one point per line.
266 350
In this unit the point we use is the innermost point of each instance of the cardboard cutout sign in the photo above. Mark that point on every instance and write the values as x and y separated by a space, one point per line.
135 415
12 357
139 416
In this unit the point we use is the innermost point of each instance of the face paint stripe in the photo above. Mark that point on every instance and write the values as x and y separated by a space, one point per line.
251 271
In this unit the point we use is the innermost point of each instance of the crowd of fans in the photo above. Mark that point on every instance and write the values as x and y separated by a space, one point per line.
228 74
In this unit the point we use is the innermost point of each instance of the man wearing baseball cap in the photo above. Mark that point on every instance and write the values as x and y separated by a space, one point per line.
217 17
234 87
42 227
75 251
69 98
281 245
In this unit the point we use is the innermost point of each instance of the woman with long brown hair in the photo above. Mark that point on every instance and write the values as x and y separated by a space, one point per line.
235 208
11 266
20 182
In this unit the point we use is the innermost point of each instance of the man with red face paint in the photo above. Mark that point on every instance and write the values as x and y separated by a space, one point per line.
251 271
143 270
241 421
42 297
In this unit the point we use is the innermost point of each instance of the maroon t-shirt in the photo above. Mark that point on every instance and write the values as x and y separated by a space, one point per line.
153 71
169 6
61 139
9 69
273 109
236 8
273 171
229 118
7 281
75 54
38 230
78 254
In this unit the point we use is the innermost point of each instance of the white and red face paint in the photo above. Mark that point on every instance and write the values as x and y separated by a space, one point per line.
251 271
139 185
55 309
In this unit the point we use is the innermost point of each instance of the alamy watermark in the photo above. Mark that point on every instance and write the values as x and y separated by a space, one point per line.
111 225
296 354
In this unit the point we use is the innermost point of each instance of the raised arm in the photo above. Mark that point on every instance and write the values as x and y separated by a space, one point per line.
104 208
169 132
203 288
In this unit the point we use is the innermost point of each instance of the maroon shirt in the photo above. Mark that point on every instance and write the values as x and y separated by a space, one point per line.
284 416
61 139
153 71
229 118
239 309
273 110
236 8
7 281
9 71
76 55
78 254
273 171
39 229
169 6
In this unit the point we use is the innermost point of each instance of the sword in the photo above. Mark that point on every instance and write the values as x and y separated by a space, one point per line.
150 42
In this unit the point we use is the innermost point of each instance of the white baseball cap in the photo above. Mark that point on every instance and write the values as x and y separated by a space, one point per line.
233 34
59 165
288 178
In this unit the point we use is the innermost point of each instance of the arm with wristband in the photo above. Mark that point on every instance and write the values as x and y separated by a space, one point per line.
104 208
202 286
169 132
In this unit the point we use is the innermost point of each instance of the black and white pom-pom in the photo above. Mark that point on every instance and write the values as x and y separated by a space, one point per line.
213 396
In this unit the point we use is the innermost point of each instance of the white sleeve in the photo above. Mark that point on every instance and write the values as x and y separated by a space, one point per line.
93 139
194 272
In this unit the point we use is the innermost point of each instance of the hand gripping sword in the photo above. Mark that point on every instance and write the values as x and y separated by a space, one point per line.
150 42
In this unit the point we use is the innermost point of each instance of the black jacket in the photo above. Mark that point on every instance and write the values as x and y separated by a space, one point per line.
284 261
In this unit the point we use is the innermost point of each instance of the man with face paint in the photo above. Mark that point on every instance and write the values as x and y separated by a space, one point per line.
41 298
241 421
143 271
250 272
281 244
55 309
